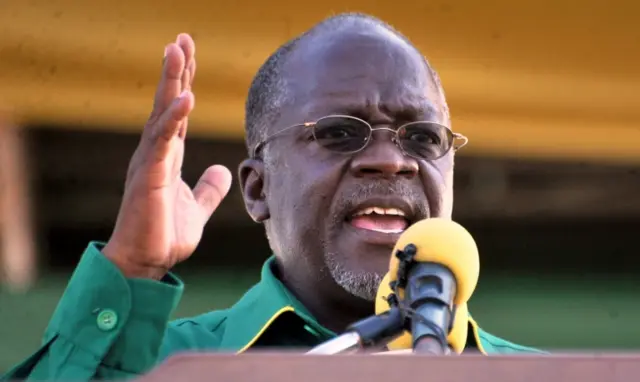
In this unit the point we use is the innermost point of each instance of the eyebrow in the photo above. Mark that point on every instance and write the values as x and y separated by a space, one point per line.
425 111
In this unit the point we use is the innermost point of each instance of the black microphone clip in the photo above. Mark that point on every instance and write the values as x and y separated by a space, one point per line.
429 291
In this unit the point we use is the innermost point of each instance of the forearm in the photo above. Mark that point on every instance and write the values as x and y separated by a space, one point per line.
105 326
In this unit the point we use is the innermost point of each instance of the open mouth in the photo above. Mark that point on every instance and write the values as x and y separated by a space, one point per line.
381 218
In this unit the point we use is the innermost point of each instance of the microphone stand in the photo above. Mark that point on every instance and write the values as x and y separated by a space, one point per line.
371 332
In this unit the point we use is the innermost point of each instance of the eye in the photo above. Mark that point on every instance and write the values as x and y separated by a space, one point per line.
422 136
342 134
339 132
340 128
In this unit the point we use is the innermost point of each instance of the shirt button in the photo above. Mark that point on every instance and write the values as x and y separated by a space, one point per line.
107 319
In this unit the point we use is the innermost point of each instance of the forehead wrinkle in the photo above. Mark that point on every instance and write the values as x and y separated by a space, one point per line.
361 98
363 107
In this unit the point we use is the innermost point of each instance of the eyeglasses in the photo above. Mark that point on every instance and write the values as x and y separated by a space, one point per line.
348 135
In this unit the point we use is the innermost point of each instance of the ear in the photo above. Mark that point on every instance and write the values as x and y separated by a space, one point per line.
251 176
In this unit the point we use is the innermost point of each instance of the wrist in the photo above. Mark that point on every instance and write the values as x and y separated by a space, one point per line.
131 269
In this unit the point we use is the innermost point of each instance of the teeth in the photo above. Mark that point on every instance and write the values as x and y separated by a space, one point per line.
388 230
380 211
367 211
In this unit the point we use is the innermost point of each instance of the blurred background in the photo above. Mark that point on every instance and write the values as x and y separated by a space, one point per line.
547 92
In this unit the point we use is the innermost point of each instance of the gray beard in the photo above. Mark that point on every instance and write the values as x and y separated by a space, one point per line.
360 284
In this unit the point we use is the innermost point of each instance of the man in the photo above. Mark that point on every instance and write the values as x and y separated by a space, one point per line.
332 194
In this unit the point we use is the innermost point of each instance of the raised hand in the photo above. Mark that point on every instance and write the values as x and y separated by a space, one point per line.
161 219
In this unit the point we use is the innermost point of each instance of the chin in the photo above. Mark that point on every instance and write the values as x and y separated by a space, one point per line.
356 281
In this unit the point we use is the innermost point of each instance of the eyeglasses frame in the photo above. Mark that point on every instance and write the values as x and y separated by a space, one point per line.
464 139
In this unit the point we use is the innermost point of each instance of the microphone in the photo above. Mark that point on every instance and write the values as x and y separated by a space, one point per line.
433 272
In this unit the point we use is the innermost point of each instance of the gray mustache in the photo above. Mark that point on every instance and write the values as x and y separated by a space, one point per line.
360 192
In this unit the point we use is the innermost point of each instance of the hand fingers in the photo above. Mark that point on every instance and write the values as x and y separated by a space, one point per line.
189 74
167 126
212 187
192 71
172 103
182 127
170 84
182 130
182 133
185 42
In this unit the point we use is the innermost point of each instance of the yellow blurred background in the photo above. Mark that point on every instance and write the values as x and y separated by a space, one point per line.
541 78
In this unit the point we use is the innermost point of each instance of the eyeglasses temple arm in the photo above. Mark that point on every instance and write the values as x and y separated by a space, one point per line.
257 147
461 137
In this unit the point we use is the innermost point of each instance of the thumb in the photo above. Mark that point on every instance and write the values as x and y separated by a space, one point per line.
211 188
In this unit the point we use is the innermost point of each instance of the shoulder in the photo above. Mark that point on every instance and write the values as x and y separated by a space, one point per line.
213 322
204 332
492 344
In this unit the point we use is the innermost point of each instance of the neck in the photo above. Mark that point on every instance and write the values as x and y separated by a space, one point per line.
330 305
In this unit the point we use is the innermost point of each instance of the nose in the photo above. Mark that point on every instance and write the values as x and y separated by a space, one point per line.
383 158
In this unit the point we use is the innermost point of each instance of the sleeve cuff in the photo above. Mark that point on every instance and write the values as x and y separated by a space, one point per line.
112 317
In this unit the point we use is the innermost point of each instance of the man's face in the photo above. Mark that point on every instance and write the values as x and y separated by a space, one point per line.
320 203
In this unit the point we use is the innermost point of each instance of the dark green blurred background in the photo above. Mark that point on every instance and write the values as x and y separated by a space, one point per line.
548 312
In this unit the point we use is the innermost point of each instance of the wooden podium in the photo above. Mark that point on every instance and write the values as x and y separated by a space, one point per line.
396 368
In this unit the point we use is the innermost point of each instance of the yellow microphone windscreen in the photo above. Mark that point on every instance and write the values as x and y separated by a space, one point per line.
446 243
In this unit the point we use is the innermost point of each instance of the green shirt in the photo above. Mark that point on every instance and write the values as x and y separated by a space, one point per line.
109 327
